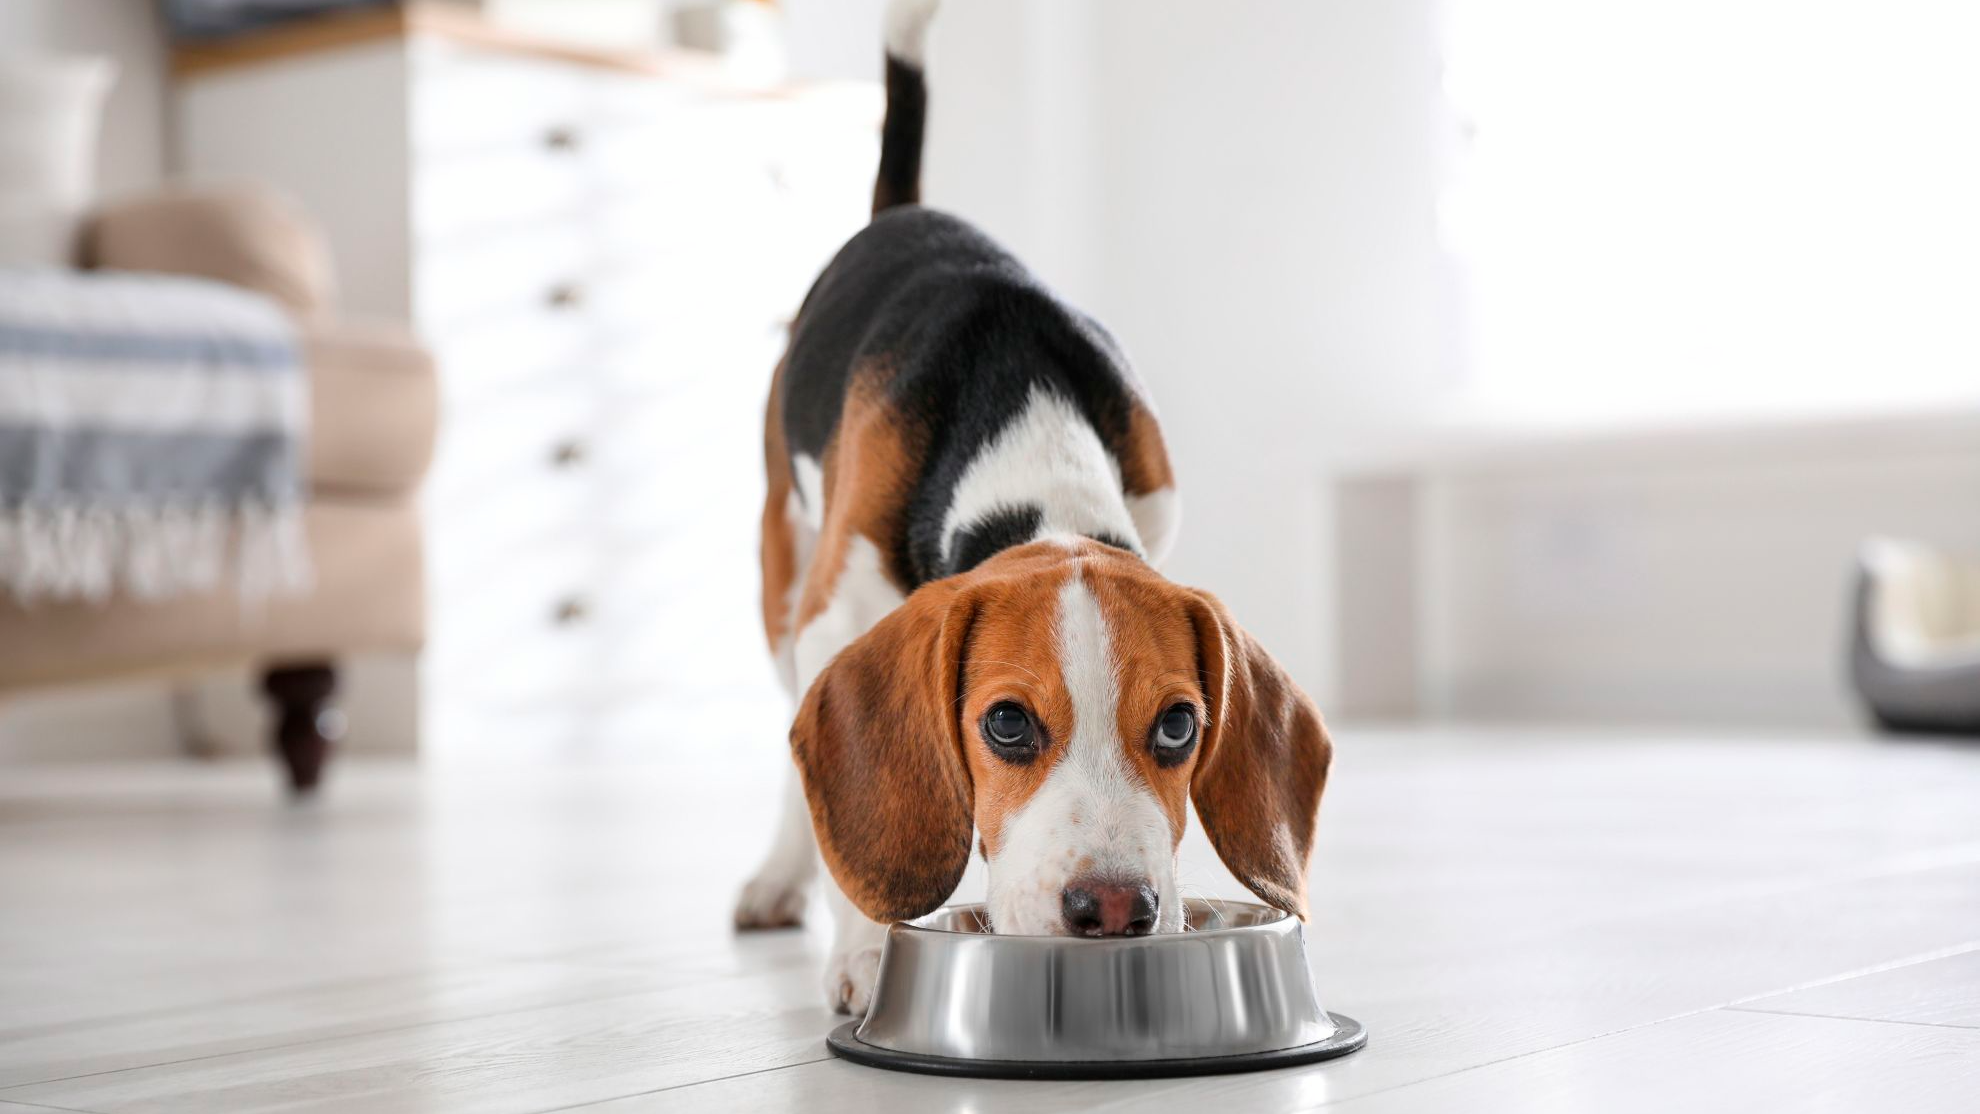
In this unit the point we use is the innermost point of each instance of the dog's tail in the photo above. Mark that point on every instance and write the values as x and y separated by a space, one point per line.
899 180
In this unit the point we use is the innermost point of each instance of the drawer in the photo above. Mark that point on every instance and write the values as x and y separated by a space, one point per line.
512 629
711 299
546 346
689 162
532 352
492 359
631 275
627 340
486 451
502 189
692 166
547 464
742 363
681 625
464 99
657 505
585 621
706 436
468 286
601 176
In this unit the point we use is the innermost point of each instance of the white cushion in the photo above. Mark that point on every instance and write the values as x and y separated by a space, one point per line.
51 109
1925 604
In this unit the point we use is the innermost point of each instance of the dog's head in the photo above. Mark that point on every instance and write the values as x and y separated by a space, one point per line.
1064 701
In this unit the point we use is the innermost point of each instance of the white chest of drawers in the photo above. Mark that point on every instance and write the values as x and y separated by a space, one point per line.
602 260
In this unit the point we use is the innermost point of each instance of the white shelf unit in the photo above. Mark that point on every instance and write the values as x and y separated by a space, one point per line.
603 262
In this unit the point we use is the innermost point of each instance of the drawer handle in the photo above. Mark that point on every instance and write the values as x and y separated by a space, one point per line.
568 454
563 137
565 295
571 611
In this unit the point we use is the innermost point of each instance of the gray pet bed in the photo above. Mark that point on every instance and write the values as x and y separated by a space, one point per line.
1915 653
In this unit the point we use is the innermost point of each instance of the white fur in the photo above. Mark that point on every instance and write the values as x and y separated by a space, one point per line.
854 967
808 483
861 597
1094 812
1157 519
907 29
1049 457
776 893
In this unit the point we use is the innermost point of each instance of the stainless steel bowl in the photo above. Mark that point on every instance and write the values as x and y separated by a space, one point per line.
1232 993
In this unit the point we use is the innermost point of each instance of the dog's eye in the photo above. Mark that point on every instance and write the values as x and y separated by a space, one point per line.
1177 728
1007 727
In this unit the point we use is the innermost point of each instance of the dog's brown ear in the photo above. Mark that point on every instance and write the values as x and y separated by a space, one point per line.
878 743
1263 762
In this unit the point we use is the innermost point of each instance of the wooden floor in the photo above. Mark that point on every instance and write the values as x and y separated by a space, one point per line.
1525 921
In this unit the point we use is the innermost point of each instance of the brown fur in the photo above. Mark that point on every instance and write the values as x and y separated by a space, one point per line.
1013 655
879 748
1263 761
1144 457
868 471
1155 654
777 547
887 739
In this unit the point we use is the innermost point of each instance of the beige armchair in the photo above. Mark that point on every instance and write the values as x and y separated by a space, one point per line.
374 405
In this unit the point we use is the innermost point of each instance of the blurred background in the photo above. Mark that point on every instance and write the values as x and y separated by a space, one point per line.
1581 398
1521 361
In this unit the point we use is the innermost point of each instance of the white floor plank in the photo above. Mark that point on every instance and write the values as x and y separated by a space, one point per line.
521 1061
518 938
1943 991
1724 1060
1429 1016
302 1016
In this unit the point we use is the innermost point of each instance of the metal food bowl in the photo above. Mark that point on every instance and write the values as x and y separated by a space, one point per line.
1231 993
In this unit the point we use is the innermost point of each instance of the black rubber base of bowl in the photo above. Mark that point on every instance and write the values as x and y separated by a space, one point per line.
1348 1037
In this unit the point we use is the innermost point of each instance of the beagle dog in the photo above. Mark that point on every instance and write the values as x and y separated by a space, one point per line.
968 497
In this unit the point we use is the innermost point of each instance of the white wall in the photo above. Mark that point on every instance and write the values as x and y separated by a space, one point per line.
1698 575
1012 115
1705 580
133 146
834 38
1715 593
1245 193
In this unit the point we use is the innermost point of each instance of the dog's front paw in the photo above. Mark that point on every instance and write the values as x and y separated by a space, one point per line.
770 902
849 980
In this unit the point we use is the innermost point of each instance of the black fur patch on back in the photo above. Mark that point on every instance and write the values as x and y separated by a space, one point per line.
978 541
958 334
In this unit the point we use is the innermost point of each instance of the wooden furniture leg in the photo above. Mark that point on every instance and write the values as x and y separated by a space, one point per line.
306 722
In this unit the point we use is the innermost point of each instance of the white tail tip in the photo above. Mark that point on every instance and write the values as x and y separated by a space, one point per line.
907 29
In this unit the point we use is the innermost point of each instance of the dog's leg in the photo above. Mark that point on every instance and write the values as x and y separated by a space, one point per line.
854 967
858 595
774 896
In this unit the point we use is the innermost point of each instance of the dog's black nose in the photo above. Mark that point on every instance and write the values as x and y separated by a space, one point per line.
1097 908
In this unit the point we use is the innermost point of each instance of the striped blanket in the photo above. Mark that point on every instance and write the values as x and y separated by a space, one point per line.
150 438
